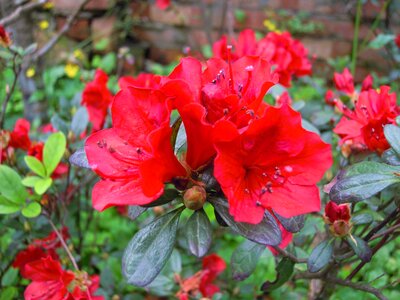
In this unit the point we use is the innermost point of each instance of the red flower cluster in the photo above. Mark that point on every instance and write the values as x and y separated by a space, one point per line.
202 281
361 128
19 138
262 157
39 262
288 55
97 98
163 4
397 41
338 218
5 40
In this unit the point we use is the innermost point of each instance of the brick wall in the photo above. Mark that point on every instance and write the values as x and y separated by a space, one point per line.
194 23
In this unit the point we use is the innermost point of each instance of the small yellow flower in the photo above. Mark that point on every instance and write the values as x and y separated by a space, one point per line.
71 70
48 5
44 24
78 54
30 72
271 26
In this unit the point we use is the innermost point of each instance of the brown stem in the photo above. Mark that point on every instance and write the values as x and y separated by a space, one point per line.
20 10
289 255
381 225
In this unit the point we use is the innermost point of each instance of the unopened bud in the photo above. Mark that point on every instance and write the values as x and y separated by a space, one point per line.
195 197
340 228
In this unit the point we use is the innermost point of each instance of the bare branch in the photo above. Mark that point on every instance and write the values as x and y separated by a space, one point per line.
289 255
20 10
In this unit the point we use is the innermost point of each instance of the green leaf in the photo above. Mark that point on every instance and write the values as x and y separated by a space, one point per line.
360 247
362 219
42 185
284 271
59 124
134 211
360 187
32 210
8 207
199 233
392 134
267 232
11 186
149 250
371 167
53 151
35 165
381 40
391 157
80 121
294 224
30 181
244 259
240 15
320 256
9 293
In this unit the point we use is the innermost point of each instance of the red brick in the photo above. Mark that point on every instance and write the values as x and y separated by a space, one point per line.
321 48
99 4
180 15
80 29
65 6
104 28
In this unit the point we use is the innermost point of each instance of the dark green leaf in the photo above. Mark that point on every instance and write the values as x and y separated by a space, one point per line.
79 159
370 167
8 207
390 157
53 151
284 271
267 232
35 165
362 219
11 186
244 259
8 293
199 233
360 247
320 256
176 261
32 210
392 134
59 124
168 196
294 224
135 211
149 250
80 121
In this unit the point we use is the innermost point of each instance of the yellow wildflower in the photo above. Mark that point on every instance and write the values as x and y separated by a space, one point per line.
30 72
71 70
44 24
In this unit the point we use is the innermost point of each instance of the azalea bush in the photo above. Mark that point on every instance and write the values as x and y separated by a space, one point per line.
235 176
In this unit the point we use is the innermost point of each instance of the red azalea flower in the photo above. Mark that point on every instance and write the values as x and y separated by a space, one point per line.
202 281
96 97
284 99
273 164
49 280
287 54
163 4
338 218
367 83
86 287
362 127
135 157
4 37
19 137
48 128
143 80
397 41
344 82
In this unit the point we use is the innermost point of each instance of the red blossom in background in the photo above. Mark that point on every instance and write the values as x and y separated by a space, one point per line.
96 98
274 164
202 281
344 82
397 41
288 55
362 127
144 80
19 137
4 37
163 4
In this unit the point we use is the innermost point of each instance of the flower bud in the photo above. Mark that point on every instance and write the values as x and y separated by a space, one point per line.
195 197
340 228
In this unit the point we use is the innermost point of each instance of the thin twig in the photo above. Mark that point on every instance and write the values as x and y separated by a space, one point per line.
357 286
390 230
50 44
20 10
289 255
64 244
381 225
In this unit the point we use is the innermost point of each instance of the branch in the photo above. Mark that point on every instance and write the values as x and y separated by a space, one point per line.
20 10
357 286
67 26
289 255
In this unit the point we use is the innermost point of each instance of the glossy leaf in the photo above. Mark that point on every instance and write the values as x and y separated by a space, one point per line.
392 134
244 259
294 224
284 271
53 151
32 210
360 247
134 211
362 219
267 232
320 256
390 157
59 124
35 165
79 159
80 121
149 250
198 233
11 186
